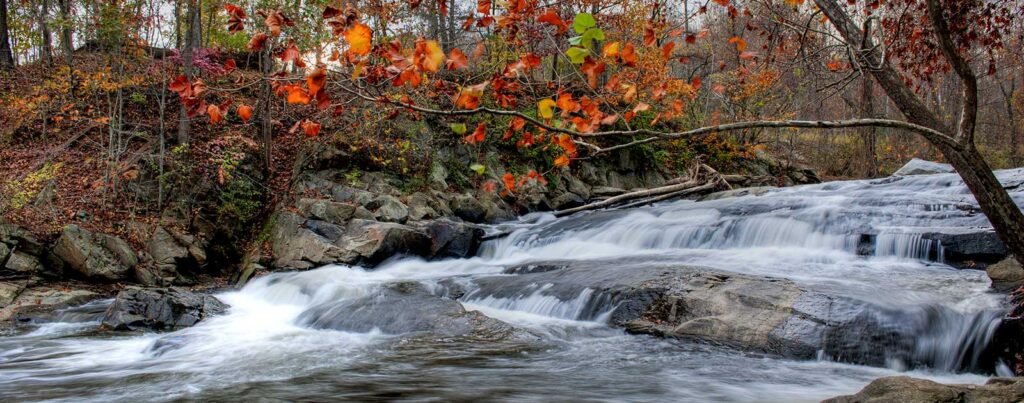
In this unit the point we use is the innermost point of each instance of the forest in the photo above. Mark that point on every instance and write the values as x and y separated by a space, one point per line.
686 200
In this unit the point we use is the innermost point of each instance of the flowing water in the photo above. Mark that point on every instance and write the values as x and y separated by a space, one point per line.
866 240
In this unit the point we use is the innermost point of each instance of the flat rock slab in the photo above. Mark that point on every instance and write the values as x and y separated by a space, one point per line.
912 390
160 309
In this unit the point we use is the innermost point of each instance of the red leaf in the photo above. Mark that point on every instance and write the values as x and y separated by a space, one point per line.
310 128
456 60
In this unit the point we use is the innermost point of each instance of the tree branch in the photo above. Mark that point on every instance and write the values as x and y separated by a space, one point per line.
969 114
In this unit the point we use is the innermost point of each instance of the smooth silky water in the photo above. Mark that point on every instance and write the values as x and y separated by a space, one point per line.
808 234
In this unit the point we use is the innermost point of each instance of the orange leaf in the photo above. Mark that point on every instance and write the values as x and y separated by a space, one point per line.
297 95
229 66
551 17
257 42
245 112
360 39
316 80
310 128
479 134
562 161
666 50
456 60
428 55
510 181
214 112
483 7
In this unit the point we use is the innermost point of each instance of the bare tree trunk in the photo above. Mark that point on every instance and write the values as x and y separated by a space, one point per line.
267 67
6 57
1011 117
869 133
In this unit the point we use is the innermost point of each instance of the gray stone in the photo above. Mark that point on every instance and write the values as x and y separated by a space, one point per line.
374 241
1007 275
388 208
408 308
420 207
363 214
95 256
453 239
42 301
297 247
160 309
23 263
567 200
468 208
326 210
348 194
905 389
918 166
9 291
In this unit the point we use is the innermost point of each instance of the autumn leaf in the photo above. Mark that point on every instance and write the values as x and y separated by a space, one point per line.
297 95
236 15
310 128
483 7
741 45
316 80
244 112
289 54
456 60
551 17
478 136
469 97
331 12
666 50
546 108
429 56
360 39
214 112
610 49
509 181
257 42
230 66
562 161
566 103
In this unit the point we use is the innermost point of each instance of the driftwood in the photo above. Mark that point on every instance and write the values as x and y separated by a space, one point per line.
701 178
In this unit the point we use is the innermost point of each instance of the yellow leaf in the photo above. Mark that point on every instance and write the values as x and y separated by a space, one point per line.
546 108
360 39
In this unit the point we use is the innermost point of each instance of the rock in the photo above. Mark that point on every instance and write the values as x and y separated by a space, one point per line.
453 239
347 194
408 308
912 390
388 208
326 210
468 208
22 263
160 309
9 291
95 256
1007 275
172 254
420 207
918 166
376 241
297 247
35 302
567 200
970 246
438 176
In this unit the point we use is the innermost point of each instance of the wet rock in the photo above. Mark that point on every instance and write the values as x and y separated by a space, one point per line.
408 308
326 210
420 207
918 166
388 208
9 291
725 194
912 390
95 256
174 253
567 200
42 301
453 239
1007 275
468 208
375 241
970 246
160 309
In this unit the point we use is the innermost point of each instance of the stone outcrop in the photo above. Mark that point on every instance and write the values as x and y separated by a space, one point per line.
919 166
1007 275
95 256
174 256
28 303
159 309
912 390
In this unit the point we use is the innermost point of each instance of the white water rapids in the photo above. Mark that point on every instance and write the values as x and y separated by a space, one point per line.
860 239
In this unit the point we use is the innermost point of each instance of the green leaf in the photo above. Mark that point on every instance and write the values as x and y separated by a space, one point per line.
459 128
480 169
576 41
577 55
582 22
588 37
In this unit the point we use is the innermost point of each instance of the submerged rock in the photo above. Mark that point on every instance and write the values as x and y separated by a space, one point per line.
912 390
160 309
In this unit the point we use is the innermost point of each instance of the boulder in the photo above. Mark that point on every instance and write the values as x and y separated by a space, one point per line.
374 241
970 246
297 247
1007 275
912 390
159 309
567 200
405 308
326 210
420 207
918 166
606 191
468 208
40 302
9 291
348 194
23 264
95 256
388 208
173 253
453 239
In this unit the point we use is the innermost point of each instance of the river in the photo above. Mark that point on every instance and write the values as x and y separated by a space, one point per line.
863 240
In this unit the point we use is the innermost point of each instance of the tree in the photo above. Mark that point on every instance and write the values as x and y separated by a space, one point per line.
6 56
615 90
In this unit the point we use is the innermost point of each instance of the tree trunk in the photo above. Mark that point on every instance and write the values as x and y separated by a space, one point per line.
66 41
868 133
191 40
6 57
46 40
